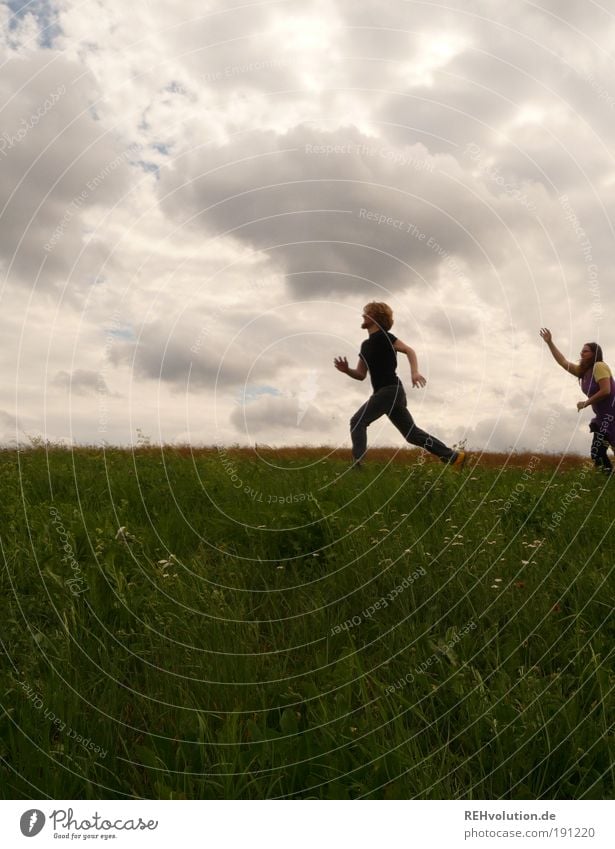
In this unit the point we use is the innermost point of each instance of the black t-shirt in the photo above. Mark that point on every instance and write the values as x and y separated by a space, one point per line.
380 357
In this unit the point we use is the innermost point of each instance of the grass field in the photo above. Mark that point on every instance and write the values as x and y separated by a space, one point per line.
258 624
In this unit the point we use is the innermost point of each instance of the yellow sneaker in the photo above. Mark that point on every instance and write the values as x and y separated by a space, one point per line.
460 460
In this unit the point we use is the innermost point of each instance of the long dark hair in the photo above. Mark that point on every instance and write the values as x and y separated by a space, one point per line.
597 358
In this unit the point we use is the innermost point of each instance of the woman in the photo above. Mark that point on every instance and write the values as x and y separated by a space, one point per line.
597 383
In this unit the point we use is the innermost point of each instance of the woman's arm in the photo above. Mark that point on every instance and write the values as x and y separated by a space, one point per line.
603 392
559 358
417 378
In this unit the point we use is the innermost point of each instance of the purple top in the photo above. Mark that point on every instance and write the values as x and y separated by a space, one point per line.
604 409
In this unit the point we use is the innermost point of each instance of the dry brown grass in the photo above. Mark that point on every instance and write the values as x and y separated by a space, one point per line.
402 456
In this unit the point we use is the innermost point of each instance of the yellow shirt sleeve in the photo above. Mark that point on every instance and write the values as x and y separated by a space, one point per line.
601 370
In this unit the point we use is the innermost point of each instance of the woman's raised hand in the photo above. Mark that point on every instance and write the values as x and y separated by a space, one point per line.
546 335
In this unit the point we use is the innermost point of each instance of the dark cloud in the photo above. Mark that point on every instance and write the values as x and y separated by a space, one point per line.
210 355
11 431
82 382
6 419
366 217
284 416
454 323
57 162
524 422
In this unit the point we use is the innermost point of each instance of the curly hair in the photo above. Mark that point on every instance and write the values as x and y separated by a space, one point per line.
381 313
597 358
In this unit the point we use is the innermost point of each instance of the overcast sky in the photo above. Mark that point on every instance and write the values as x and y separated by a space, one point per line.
197 199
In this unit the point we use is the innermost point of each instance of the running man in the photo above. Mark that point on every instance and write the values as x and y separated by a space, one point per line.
379 356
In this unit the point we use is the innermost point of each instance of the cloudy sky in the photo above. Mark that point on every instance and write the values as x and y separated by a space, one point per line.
197 199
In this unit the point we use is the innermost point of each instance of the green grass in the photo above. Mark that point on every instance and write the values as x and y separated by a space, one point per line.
405 632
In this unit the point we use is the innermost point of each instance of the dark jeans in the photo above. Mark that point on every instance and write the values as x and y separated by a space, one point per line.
391 400
600 445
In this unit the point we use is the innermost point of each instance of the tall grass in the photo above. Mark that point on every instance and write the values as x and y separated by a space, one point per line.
405 632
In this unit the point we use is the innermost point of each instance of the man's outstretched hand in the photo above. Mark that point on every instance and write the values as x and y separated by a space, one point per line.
341 364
